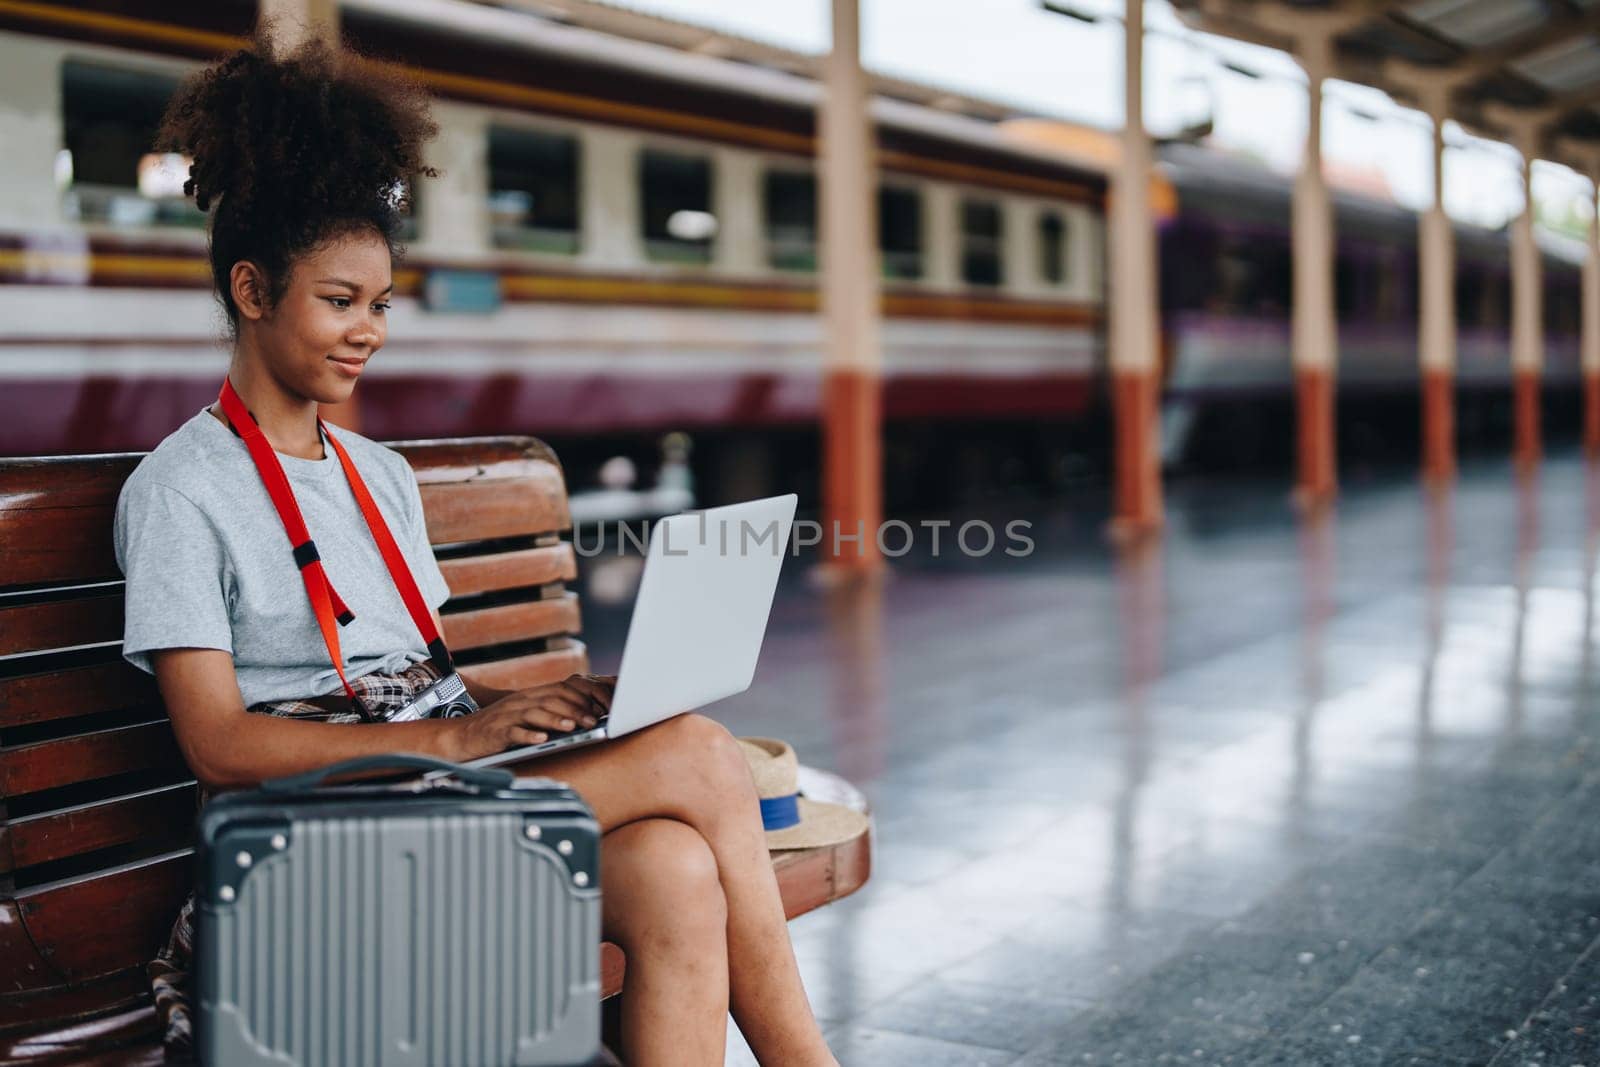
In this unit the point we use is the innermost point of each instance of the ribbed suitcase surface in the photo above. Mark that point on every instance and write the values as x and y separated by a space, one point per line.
358 927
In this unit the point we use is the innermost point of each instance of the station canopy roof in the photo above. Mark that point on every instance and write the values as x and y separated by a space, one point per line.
1509 67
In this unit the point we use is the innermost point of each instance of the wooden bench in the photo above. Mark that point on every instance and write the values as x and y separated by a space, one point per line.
96 802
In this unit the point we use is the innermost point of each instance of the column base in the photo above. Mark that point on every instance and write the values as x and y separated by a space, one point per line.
852 465
1438 426
1137 508
1525 448
1317 482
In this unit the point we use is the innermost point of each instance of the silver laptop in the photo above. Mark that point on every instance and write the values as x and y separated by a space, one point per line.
701 614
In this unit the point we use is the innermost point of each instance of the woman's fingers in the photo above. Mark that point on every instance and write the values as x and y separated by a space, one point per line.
559 694
521 735
553 718
595 686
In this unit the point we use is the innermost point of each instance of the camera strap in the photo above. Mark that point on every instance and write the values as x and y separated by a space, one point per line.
325 602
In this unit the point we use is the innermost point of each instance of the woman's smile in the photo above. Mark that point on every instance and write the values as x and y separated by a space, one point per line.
351 367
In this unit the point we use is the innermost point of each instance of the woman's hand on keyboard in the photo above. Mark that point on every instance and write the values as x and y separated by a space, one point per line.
599 686
529 716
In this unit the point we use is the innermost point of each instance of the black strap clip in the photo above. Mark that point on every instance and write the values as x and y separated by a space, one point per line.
306 554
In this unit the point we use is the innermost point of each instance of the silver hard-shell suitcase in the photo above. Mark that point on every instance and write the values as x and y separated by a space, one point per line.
448 920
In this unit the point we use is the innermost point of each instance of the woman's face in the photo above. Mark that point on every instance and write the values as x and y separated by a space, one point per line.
330 320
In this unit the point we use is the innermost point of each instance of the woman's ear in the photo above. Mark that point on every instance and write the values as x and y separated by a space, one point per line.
248 286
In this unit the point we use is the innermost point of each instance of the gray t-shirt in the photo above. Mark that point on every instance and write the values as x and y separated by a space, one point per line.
209 565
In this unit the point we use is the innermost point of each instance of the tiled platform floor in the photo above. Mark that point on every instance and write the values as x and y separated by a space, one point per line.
1275 793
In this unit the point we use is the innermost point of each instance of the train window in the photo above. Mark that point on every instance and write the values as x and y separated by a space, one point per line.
1562 309
533 189
1052 248
1250 276
108 170
789 206
980 242
1347 296
1494 304
675 202
900 232
1469 294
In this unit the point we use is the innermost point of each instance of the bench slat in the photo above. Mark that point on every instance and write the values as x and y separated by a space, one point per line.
509 570
486 510
85 620
457 459
537 668
131 1036
54 835
55 517
48 764
78 691
22 966
97 925
557 616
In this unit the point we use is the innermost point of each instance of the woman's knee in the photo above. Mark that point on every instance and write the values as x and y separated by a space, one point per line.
662 886
712 753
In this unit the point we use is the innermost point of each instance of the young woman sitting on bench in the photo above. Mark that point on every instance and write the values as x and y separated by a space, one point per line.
297 159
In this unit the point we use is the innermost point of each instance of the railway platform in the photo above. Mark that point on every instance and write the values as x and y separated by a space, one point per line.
1277 790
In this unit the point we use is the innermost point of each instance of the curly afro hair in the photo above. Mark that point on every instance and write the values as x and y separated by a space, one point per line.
294 150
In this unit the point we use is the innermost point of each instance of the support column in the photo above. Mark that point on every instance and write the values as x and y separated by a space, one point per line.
1590 351
1135 371
1437 330
1527 314
850 286
1314 328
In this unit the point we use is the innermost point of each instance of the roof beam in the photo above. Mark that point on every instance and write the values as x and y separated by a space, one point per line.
1547 114
1478 63
1297 22
1431 87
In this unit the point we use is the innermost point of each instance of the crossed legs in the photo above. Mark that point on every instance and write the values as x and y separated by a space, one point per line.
691 896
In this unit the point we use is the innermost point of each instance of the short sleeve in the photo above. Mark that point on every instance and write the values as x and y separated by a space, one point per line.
175 572
435 590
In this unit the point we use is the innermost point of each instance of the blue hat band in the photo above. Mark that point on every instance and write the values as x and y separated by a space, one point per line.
780 813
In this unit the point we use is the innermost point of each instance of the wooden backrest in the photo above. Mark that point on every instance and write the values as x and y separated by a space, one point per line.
96 802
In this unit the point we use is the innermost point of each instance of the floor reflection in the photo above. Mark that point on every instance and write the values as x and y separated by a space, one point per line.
1265 786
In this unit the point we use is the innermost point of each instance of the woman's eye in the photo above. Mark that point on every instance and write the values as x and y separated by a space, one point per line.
380 307
340 302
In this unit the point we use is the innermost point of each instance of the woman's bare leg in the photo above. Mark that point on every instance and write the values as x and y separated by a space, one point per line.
690 768
663 904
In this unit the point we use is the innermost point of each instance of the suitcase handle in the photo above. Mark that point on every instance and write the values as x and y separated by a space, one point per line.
486 779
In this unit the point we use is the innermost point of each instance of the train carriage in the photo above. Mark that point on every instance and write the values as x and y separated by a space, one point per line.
622 243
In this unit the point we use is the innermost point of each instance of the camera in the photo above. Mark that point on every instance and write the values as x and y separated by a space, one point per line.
445 699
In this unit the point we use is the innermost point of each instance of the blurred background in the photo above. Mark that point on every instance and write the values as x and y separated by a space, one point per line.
1294 298
622 253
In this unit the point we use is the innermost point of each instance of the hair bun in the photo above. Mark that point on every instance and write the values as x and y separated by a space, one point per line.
279 132
293 149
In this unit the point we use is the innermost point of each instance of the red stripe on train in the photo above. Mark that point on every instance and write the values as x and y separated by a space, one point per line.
99 414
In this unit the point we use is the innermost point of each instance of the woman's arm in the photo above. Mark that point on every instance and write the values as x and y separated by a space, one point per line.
227 747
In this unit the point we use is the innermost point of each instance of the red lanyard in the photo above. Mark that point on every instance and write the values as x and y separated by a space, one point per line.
324 601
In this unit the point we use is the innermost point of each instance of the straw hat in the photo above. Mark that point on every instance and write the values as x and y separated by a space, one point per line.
794 821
